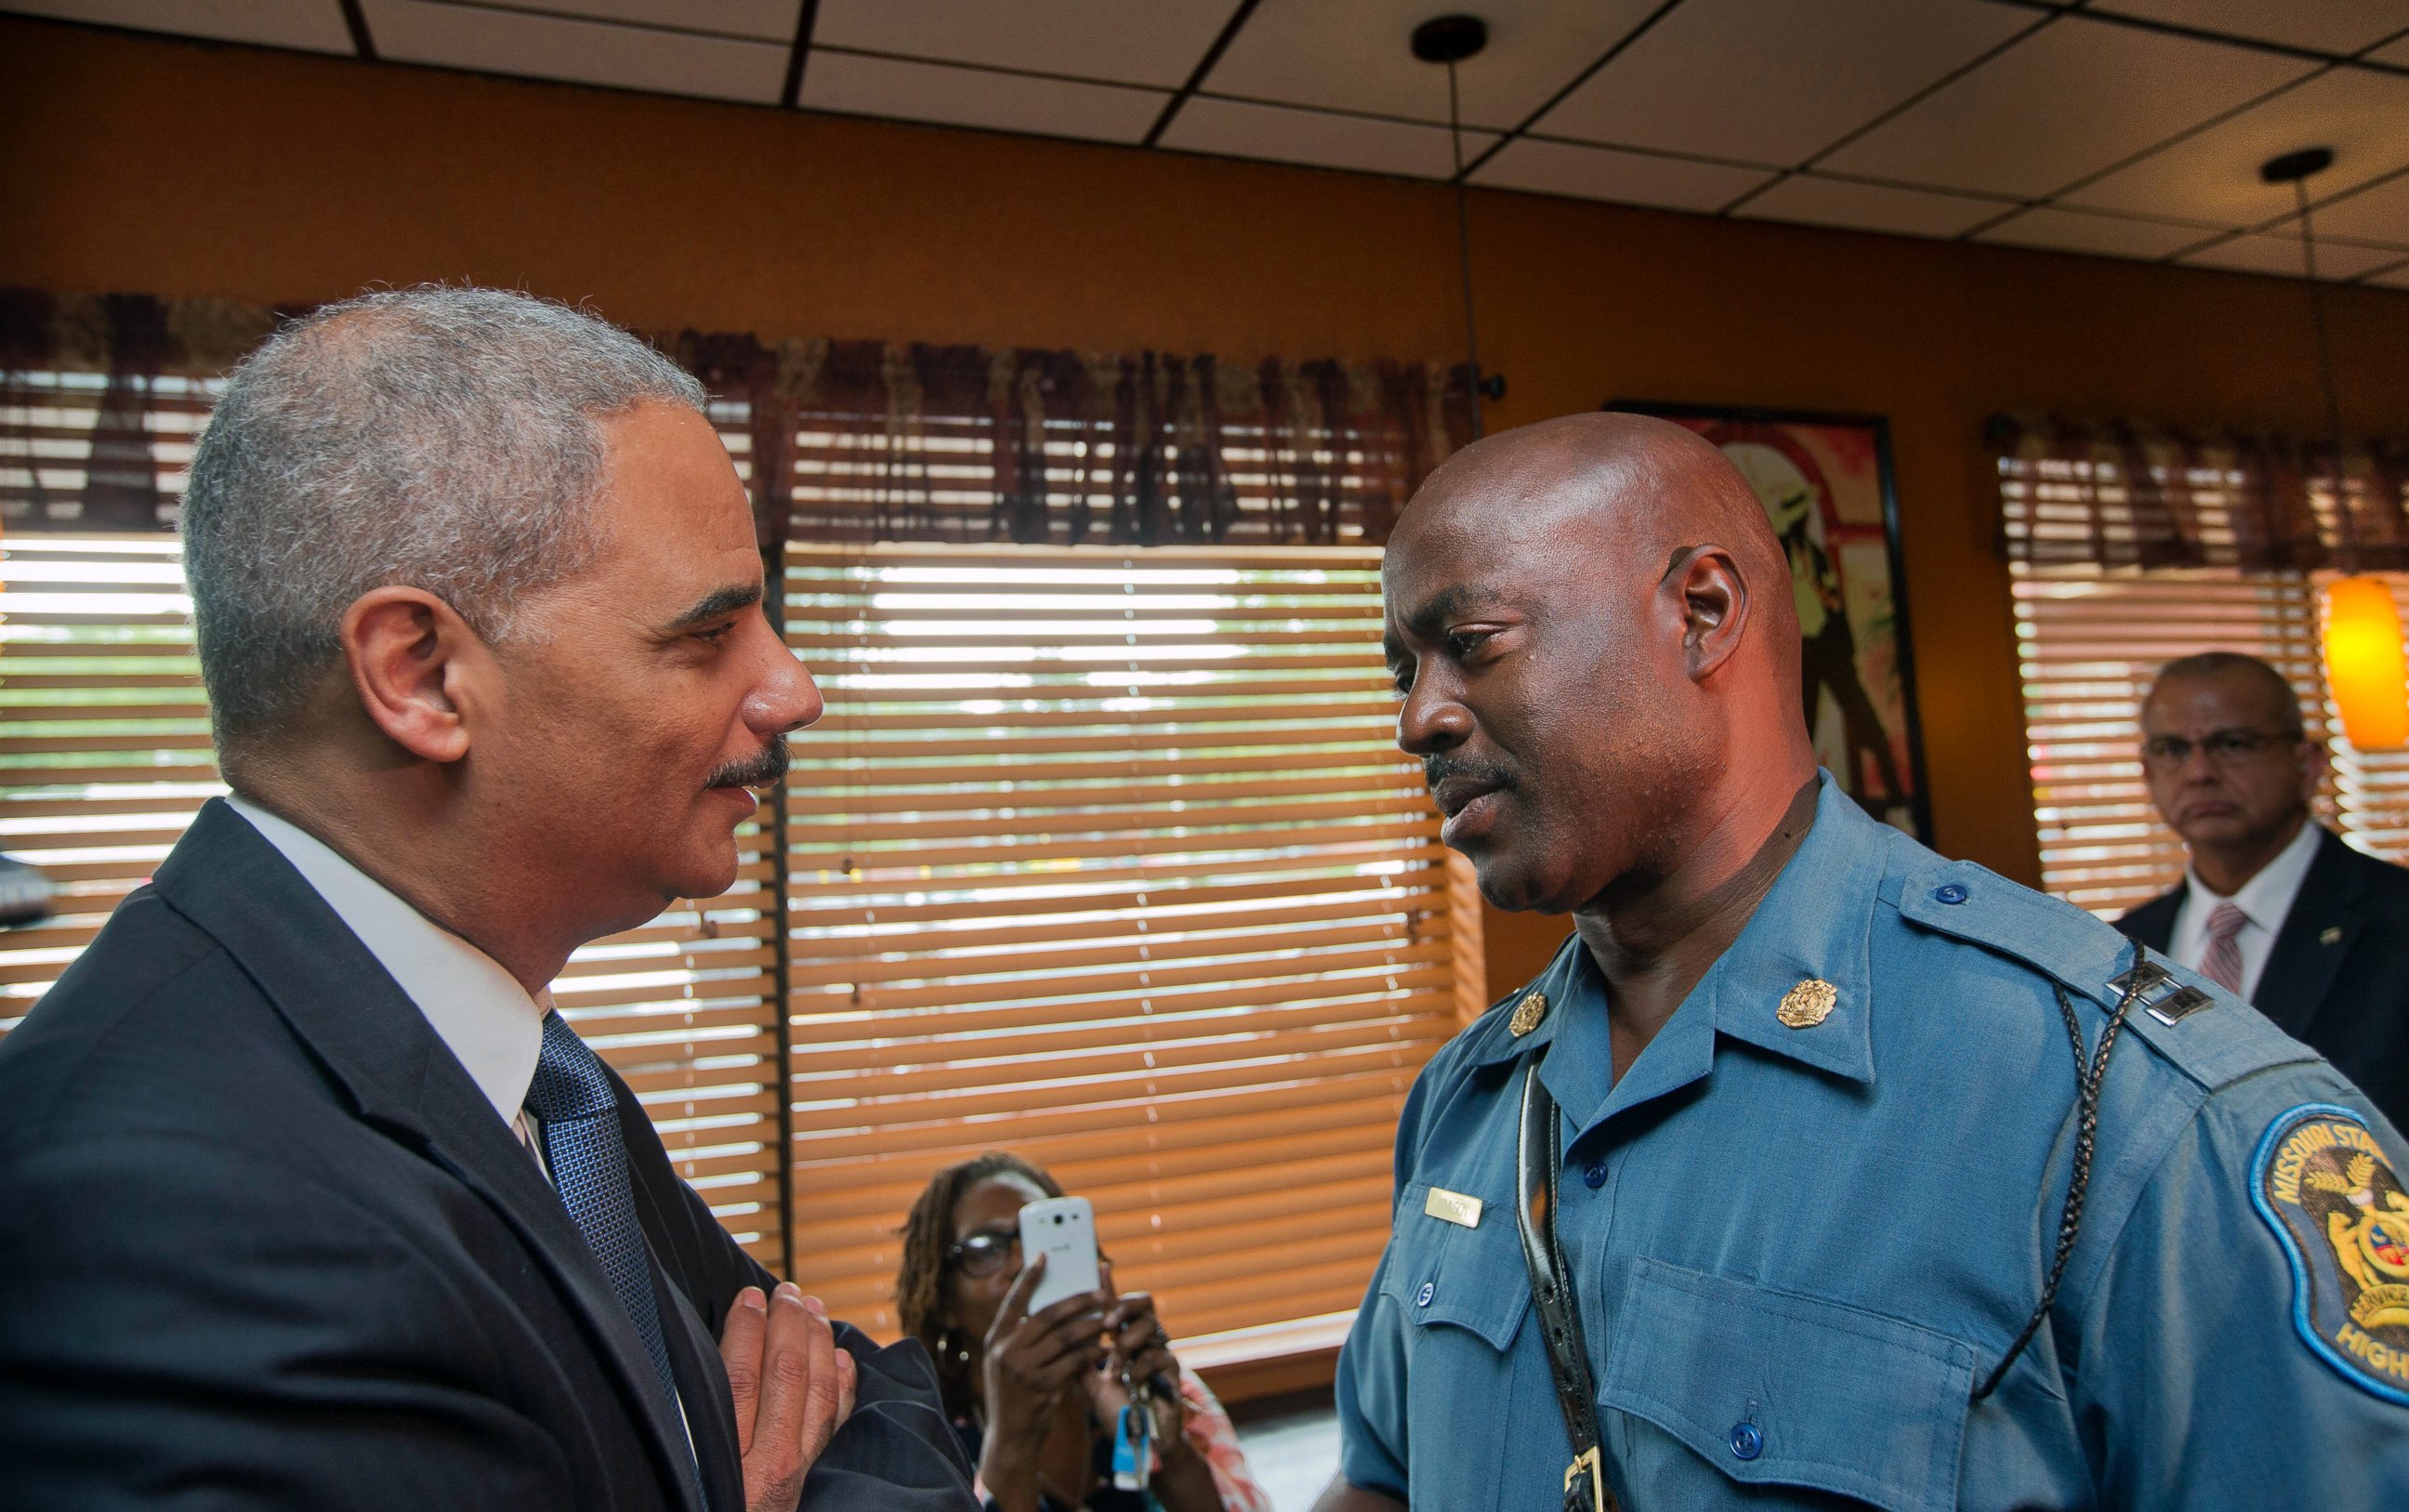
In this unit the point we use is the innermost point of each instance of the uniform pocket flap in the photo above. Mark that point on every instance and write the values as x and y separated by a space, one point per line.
1777 1388
1444 1272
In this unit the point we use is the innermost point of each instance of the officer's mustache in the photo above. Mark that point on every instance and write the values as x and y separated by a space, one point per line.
1447 765
761 771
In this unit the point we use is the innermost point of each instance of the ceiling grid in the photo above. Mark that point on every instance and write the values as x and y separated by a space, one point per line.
2124 128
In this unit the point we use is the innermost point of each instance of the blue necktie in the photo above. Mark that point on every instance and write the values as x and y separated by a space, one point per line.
580 1122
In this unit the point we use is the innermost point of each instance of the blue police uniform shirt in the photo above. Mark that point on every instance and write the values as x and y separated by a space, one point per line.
1798 1251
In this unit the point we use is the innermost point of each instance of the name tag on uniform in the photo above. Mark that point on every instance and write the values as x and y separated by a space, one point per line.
1454 1207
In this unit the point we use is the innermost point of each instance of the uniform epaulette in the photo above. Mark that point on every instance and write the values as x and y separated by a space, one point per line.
2214 1038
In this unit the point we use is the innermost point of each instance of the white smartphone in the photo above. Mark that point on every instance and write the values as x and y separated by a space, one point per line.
1063 1230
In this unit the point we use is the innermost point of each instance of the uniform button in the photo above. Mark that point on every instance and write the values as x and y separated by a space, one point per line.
1422 1298
1951 893
1595 1176
1747 1442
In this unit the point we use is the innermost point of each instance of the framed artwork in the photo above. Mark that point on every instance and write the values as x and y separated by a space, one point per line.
1825 483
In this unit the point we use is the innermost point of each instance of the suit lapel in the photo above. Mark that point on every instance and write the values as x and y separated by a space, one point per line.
373 1042
2317 933
702 1381
2153 923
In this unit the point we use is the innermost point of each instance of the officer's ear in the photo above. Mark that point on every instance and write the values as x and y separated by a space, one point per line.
1714 607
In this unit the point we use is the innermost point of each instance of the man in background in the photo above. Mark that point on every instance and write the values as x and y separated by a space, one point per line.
308 1198
2275 907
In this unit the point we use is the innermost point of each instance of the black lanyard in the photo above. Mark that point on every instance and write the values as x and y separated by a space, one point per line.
1537 1158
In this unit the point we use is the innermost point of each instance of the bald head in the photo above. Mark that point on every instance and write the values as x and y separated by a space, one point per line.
1580 490
1592 624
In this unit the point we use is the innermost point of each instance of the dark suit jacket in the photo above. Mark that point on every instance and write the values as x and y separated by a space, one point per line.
2338 976
263 1243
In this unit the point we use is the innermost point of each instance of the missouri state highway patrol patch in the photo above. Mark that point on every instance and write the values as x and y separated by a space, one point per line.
2325 1186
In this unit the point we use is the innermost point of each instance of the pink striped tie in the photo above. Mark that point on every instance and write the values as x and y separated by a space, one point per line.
2221 963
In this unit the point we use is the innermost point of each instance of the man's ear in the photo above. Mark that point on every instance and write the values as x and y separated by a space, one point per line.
409 653
1714 607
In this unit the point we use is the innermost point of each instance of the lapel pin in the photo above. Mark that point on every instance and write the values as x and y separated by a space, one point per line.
1808 1004
2332 935
1527 1014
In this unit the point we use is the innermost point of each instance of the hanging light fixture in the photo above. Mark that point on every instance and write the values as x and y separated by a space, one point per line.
1449 40
2367 671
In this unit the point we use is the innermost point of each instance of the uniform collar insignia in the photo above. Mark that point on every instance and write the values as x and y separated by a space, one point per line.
1816 923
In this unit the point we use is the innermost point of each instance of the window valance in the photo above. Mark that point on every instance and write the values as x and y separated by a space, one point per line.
2118 493
102 395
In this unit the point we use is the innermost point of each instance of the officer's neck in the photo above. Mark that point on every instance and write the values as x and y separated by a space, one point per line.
1654 939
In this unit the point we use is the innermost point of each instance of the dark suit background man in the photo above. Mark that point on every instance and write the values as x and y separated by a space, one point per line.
2274 906
306 1198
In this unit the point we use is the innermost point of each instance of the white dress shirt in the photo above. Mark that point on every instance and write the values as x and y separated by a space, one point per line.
2265 900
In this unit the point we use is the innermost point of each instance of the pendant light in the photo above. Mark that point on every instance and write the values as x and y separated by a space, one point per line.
2367 671
1449 40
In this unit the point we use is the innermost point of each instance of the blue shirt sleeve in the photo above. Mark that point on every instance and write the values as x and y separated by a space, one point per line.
1371 1394
2200 1382
1371 1381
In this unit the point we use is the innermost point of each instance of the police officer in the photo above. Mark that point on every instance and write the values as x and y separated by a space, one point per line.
1816 1168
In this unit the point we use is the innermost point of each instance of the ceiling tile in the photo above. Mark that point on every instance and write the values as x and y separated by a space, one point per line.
1159 42
1624 177
1911 213
2378 214
2113 236
2325 25
762 21
2281 255
858 85
2073 98
578 51
313 25
1358 56
1314 136
2213 176
1773 80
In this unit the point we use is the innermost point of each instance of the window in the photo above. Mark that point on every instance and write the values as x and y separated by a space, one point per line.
1104 855
1109 857
2091 638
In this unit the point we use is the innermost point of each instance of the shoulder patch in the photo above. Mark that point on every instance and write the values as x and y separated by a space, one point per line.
2327 1189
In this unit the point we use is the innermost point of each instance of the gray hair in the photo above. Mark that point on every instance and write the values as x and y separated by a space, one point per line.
443 438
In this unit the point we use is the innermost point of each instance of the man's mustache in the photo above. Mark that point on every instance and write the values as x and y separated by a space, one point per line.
762 770
1440 768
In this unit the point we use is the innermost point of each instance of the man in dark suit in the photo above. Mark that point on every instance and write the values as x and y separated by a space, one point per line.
2274 906
307 1197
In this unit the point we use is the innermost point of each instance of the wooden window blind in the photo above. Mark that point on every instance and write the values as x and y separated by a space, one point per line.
2090 643
1178 922
1108 858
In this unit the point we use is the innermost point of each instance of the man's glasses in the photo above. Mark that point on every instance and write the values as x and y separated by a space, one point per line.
983 1253
2224 747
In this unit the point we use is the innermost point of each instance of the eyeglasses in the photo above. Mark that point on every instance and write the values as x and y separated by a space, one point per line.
2224 747
984 1254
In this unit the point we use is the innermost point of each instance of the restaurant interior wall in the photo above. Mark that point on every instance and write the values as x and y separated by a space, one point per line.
177 168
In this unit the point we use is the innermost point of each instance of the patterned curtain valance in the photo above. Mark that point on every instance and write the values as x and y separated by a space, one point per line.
101 397
2124 493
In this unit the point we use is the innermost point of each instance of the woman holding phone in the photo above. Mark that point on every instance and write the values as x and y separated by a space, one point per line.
1038 1398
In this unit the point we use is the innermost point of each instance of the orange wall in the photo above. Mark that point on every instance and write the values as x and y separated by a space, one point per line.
173 168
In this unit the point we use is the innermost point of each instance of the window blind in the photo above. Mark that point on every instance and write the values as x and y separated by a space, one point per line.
1108 858
2090 643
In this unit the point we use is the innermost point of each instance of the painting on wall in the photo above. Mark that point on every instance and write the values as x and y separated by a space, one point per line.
1825 483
